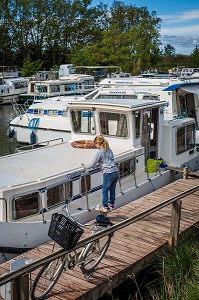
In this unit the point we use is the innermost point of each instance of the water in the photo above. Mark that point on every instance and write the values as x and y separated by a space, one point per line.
7 146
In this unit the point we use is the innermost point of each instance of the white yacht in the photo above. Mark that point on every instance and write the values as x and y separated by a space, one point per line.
49 120
11 88
35 183
189 73
68 83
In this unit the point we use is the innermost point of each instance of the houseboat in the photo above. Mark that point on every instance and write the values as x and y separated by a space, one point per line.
11 88
49 120
68 83
36 183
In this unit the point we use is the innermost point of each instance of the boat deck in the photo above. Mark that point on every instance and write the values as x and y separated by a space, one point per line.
38 164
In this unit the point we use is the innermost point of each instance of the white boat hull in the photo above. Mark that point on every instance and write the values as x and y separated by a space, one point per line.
19 237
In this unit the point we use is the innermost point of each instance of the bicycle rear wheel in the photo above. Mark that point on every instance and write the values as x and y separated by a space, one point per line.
47 278
94 253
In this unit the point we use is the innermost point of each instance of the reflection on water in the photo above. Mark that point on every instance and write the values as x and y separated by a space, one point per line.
7 146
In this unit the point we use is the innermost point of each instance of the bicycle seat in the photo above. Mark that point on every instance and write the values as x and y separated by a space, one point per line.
101 220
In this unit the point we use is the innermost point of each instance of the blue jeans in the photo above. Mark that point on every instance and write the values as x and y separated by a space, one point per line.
109 185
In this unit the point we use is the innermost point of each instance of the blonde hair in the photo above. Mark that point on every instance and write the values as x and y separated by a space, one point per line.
104 144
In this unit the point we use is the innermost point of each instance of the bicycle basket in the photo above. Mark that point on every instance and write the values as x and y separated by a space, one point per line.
64 231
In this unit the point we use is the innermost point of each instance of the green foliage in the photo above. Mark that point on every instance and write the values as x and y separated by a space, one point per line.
195 57
54 68
169 50
179 272
30 68
57 32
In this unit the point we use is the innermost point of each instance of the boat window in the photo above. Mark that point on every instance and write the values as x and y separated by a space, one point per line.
82 121
52 112
182 108
32 87
129 96
116 96
67 87
85 184
42 89
59 194
137 124
64 113
26 205
127 167
150 97
55 88
113 124
18 85
185 138
38 111
88 84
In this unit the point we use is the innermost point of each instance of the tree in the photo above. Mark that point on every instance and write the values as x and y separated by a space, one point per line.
169 50
30 68
6 51
195 57
129 40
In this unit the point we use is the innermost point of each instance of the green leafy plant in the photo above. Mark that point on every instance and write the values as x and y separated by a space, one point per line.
30 68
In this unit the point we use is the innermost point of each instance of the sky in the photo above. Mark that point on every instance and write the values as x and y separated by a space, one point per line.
180 21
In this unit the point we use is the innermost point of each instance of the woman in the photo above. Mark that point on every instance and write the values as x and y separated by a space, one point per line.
104 158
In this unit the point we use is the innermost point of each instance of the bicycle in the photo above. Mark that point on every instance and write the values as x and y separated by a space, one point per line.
86 259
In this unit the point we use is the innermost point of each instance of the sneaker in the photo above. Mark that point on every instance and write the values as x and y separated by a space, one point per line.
101 208
111 206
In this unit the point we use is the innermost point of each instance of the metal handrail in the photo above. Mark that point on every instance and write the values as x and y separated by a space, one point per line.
38 144
34 265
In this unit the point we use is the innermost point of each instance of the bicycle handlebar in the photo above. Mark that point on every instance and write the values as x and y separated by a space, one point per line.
66 211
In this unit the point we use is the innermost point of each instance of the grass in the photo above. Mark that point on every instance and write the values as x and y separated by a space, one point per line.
174 276
178 272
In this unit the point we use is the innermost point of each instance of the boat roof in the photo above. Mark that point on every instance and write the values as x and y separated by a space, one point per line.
17 79
64 79
193 86
135 80
41 164
131 104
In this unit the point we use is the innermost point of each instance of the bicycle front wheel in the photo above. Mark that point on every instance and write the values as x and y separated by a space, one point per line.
94 253
46 278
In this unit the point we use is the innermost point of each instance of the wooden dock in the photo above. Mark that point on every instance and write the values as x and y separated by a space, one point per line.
132 248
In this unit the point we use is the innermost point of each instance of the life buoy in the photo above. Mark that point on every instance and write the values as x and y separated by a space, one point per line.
83 144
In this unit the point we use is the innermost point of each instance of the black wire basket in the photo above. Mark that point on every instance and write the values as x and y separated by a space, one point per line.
64 231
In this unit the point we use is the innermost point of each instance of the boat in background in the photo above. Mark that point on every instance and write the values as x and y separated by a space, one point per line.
41 122
181 95
49 120
189 73
34 184
11 88
67 84
9 71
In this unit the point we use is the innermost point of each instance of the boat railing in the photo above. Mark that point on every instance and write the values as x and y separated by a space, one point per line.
19 109
41 144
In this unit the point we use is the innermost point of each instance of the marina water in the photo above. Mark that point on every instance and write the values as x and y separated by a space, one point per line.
7 146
